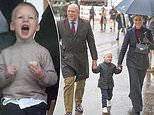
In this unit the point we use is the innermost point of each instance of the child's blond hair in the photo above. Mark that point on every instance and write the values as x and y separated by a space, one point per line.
24 4
106 53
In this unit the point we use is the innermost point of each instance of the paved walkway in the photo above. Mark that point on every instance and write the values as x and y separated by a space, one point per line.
121 104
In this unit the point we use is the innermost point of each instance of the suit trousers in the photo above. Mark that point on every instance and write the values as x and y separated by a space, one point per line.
136 77
13 109
69 92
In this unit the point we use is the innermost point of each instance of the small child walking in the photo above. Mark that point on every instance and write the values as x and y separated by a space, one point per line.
105 82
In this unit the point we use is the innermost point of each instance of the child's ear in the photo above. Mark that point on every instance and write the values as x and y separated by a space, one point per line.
12 26
38 27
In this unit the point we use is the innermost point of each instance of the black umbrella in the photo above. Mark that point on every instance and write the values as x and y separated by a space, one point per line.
144 7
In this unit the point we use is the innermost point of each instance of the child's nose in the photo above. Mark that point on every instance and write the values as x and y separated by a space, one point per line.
25 19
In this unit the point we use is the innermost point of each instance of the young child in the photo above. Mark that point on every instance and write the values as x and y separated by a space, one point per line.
105 82
26 68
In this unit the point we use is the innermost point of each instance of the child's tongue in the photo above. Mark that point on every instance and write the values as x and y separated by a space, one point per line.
25 30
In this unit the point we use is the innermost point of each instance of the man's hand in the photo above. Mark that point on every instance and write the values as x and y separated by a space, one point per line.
94 63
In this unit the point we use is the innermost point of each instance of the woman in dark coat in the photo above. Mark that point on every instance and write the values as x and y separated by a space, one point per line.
137 63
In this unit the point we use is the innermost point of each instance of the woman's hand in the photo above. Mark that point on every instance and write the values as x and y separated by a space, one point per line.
119 67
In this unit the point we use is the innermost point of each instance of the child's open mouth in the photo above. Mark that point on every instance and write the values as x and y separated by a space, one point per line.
25 29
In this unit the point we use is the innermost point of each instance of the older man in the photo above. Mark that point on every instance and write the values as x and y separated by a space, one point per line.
75 33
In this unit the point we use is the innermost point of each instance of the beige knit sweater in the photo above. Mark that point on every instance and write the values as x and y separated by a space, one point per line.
24 84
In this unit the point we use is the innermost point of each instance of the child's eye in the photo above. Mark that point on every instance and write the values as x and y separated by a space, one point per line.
19 17
30 17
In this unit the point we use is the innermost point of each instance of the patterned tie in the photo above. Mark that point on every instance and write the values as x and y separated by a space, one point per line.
73 27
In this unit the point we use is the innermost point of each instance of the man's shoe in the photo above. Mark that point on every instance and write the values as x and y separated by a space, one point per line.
68 113
79 108
109 103
105 110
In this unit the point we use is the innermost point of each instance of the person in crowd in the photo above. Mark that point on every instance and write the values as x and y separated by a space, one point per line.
6 7
3 22
130 20
103 18
6 36
120 18
137 63
26 68
106 82
145 21
113 13
151 54
105 22
151 25
63 12
75 36
92 15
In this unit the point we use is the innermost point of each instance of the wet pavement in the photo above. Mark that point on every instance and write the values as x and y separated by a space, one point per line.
121 104
149 94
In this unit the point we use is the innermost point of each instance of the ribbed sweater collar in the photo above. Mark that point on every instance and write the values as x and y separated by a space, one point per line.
25 42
